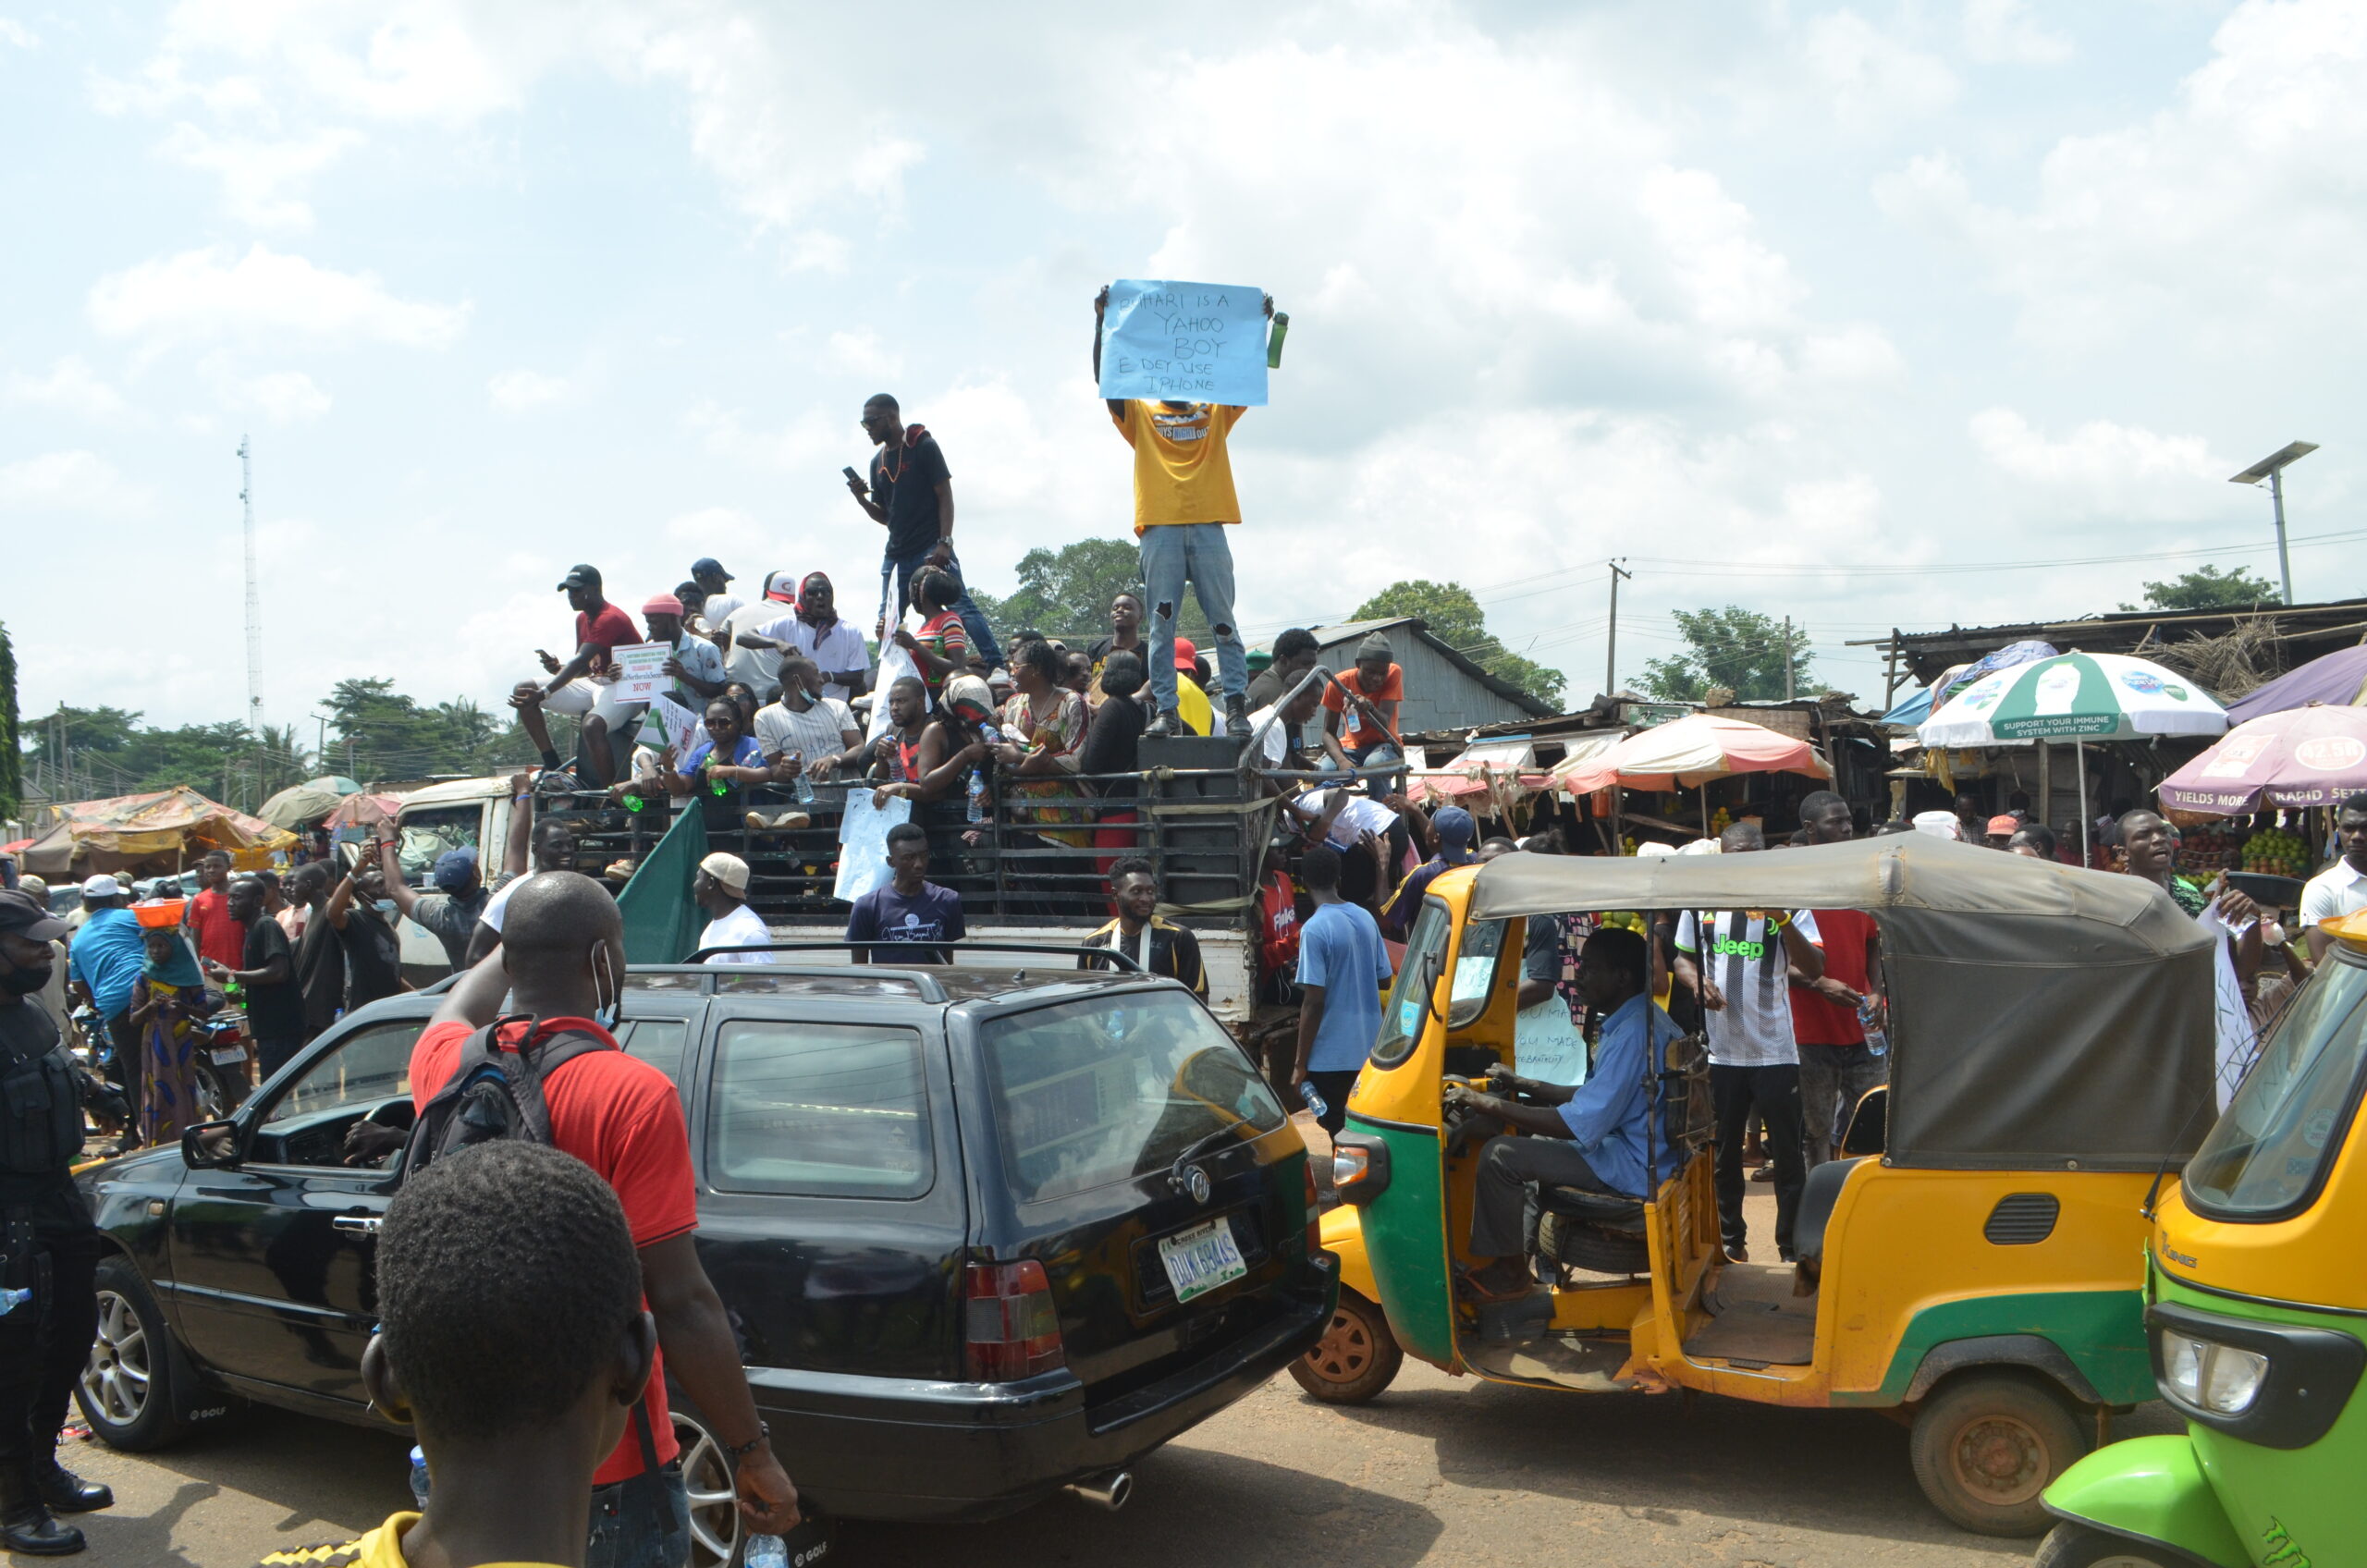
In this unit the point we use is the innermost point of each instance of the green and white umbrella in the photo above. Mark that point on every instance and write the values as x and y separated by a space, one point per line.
2078 697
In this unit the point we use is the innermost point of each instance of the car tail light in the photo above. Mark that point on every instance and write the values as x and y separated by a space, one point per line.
1314 1212
1009 1324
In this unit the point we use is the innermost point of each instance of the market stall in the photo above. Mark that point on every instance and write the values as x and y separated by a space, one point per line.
156 833
1687 753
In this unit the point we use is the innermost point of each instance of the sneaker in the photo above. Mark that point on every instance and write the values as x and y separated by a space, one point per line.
1169 722
779 822
1236 718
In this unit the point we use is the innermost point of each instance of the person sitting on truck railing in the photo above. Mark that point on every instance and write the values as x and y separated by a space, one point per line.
1278 739
910 909
816 630
729 755
806 730
1161 946
583 686
696 664
960 738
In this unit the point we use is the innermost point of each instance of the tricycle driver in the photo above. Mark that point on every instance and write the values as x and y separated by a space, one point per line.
1590 1136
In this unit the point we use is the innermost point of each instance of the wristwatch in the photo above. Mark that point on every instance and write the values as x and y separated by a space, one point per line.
742 1451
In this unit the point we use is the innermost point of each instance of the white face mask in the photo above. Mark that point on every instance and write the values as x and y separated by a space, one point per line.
604 983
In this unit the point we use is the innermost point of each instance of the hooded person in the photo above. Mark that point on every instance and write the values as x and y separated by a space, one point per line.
1455 830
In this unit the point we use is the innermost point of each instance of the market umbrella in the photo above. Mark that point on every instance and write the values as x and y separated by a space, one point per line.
2339 679
1917 708
2311 757
2078 697
363 811
1688 752
308 801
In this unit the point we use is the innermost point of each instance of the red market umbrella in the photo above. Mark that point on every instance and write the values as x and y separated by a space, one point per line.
1690 751
363 811
2306 756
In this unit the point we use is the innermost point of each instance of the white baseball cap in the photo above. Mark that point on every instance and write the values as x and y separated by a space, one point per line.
103 886
730 870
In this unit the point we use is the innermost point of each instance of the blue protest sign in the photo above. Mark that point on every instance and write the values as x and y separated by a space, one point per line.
1186 342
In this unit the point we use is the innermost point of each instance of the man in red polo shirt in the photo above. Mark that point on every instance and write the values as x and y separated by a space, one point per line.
562 960
1836 1065
219 935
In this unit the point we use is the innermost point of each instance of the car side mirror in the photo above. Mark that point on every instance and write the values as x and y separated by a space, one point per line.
211 1146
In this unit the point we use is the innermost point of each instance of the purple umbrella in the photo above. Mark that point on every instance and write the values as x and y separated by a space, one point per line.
2335 680
2310 757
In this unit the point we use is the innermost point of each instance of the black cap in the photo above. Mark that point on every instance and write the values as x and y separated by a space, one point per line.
707 566
22 914
580 577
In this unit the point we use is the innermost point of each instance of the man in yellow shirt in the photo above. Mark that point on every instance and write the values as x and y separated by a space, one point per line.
1183 502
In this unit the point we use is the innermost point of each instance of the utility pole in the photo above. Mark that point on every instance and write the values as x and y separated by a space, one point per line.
1611 649
1787 658
254 597
2272 468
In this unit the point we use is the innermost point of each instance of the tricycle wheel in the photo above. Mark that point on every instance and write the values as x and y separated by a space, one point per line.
1355 1359
1987 1444
2076 1545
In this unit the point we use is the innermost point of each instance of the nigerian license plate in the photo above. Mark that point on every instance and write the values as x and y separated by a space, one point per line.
224 1056
1201 1258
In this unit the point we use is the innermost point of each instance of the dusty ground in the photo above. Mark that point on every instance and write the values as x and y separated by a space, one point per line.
1438 1470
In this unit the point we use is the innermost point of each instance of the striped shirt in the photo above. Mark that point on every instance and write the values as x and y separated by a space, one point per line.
1746 961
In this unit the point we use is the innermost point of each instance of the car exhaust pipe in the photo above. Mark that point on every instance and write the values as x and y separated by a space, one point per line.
1109 1490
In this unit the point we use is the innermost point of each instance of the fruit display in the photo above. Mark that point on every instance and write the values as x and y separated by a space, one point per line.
1719 823
2278 853
2213 846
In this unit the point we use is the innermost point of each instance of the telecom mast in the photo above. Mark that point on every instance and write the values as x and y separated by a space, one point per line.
254 597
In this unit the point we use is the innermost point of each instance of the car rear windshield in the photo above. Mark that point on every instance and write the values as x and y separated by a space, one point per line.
2271 1148
832 1110
1109 1088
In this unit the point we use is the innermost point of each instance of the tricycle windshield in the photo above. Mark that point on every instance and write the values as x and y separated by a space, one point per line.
2271 1150
1402 1019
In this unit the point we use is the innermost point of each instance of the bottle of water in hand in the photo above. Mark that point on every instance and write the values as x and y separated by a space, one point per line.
977 795
766 1552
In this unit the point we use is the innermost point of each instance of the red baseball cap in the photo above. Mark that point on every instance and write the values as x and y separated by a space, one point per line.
1184 653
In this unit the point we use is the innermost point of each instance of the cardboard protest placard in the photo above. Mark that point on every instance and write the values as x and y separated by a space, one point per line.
685 730
1184 342
641 669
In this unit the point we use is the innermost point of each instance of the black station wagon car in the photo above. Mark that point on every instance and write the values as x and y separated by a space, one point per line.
981 1233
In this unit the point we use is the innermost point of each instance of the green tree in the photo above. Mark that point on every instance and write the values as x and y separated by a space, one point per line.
2208 588
12 757
1066 593
1454 618
1733 647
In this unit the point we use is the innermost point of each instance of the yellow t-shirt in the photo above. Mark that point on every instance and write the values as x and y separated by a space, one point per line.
1192 704
381 1548
1182 471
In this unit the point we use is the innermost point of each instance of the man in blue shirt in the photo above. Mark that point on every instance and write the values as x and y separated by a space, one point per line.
1590 1136
1343 964
105 958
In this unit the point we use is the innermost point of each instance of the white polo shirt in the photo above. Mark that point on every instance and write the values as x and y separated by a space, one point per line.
2337 891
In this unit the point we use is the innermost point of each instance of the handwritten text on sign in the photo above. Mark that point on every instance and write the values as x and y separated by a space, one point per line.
1185 342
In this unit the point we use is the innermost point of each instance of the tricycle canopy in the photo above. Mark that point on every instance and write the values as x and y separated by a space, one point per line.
2043 1016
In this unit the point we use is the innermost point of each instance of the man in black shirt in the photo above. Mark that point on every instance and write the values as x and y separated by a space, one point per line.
363 916
267 983
48 1247
320 957
911 493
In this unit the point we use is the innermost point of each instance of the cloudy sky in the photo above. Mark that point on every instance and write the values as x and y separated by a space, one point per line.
1875 315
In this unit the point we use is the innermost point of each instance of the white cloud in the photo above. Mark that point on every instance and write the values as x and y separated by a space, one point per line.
207 294
516 391
2006 32
256 173
70 385
863 354
287 396
70 481
2107 467
806 440
13 31
1869 78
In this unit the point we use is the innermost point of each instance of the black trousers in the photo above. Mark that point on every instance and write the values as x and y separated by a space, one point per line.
1503 1201
1334 1087
1775 1094
44 1344
129 1073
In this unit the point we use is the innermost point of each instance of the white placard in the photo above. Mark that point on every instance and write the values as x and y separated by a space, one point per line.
683 728
641 669
863 843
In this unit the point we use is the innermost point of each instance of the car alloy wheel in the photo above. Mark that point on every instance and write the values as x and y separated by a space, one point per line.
715 1497
115 1379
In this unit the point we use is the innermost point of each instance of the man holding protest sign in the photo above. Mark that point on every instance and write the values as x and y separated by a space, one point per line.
1184 494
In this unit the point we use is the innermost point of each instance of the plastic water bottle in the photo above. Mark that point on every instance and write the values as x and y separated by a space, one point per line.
11 1299
1877 1043
805 785
1313 1100
634 802
419 1477
977 795
766 1552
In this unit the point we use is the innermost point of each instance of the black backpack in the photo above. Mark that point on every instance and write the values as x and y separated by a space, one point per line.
493 1094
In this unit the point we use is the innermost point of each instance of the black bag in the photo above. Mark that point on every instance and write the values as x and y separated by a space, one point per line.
493 1094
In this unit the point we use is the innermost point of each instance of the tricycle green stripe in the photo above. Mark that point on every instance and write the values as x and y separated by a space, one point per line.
1405 1230
2102 1331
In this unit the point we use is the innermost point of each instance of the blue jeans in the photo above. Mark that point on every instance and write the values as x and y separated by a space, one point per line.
641 1522
974 621
1379 786
1194 552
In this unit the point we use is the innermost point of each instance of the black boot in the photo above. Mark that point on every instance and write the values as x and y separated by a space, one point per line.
65 1492
25 1522
1236 718
1169 722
